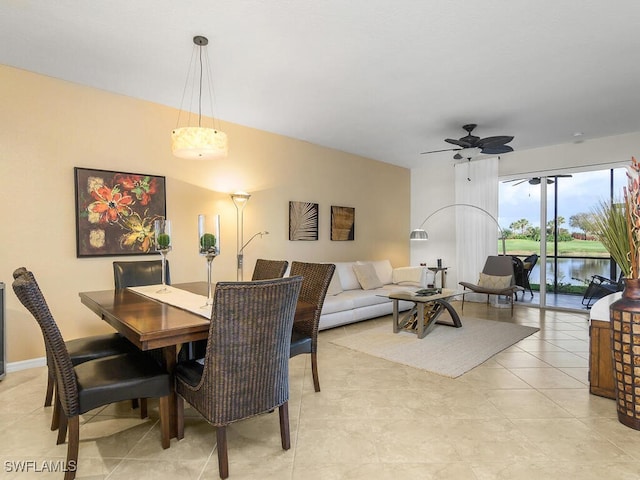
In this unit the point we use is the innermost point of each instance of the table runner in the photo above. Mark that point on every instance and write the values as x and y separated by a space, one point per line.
176 298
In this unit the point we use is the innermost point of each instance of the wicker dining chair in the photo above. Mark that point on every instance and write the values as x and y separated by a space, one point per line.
266 269
304 338
94 383
82 350
245 371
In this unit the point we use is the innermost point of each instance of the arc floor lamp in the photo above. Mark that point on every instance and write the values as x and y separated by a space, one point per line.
421 234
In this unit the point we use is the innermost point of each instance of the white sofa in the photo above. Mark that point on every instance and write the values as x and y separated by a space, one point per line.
355 294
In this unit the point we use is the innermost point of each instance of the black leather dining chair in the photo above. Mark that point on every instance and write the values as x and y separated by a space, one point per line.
94 383
80 350
139 273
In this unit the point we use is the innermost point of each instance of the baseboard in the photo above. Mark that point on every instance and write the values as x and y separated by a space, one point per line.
26 364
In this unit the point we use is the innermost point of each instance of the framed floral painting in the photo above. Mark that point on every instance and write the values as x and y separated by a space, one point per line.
115 212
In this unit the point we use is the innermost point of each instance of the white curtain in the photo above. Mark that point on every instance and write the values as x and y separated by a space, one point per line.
476 183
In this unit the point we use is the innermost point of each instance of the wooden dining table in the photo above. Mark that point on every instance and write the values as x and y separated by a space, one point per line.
150 324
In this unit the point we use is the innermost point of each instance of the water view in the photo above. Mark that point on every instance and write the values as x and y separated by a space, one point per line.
574 271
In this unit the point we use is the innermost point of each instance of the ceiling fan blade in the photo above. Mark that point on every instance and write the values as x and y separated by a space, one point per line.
490 142
437 151
549 181
521 181
497 150
461 143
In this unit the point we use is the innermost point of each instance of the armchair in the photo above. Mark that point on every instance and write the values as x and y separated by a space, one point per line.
496 278
529 263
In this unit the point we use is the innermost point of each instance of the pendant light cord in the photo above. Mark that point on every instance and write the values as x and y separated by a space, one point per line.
200 90
199 43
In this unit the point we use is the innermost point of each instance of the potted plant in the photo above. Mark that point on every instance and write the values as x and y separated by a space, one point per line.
609 225
618 228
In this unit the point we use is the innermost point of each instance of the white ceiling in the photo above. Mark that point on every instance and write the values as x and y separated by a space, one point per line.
386 79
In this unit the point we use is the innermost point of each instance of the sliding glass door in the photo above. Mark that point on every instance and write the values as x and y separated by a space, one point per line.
550 216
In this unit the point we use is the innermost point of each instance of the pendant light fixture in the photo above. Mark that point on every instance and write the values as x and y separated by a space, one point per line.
195 141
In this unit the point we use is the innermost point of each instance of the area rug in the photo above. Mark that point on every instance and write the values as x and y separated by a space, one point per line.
445 350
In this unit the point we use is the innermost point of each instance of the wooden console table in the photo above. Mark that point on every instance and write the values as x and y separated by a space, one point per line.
601 381
601 376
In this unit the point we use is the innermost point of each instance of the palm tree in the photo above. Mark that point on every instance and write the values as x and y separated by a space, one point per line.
520 225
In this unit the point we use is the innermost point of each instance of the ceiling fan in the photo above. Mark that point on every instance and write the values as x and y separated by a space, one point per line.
536 180
471 146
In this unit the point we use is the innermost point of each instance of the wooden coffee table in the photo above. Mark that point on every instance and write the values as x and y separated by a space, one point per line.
425 312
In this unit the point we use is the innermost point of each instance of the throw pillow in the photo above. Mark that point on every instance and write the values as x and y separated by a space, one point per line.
384 270
344 271
367 277
495 282
335 287
408 275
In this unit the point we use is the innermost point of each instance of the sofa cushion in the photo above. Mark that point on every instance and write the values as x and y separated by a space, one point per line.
494 282
384 270
365 298
338 303
347 276
366 275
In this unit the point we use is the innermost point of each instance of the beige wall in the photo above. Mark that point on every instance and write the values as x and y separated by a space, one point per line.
48 127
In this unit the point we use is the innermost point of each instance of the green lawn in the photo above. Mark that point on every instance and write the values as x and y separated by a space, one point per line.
577 248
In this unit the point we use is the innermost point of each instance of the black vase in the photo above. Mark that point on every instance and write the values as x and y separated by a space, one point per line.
625 347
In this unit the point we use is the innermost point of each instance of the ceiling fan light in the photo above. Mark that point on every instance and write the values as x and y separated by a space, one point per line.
199 143
469 153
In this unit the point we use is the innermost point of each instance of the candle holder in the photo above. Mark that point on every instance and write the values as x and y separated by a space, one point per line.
162 236
209 246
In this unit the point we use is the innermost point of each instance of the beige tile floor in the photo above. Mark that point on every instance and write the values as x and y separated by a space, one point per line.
524 414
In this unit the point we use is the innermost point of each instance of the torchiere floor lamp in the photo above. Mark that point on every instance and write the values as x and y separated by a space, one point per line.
240 200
